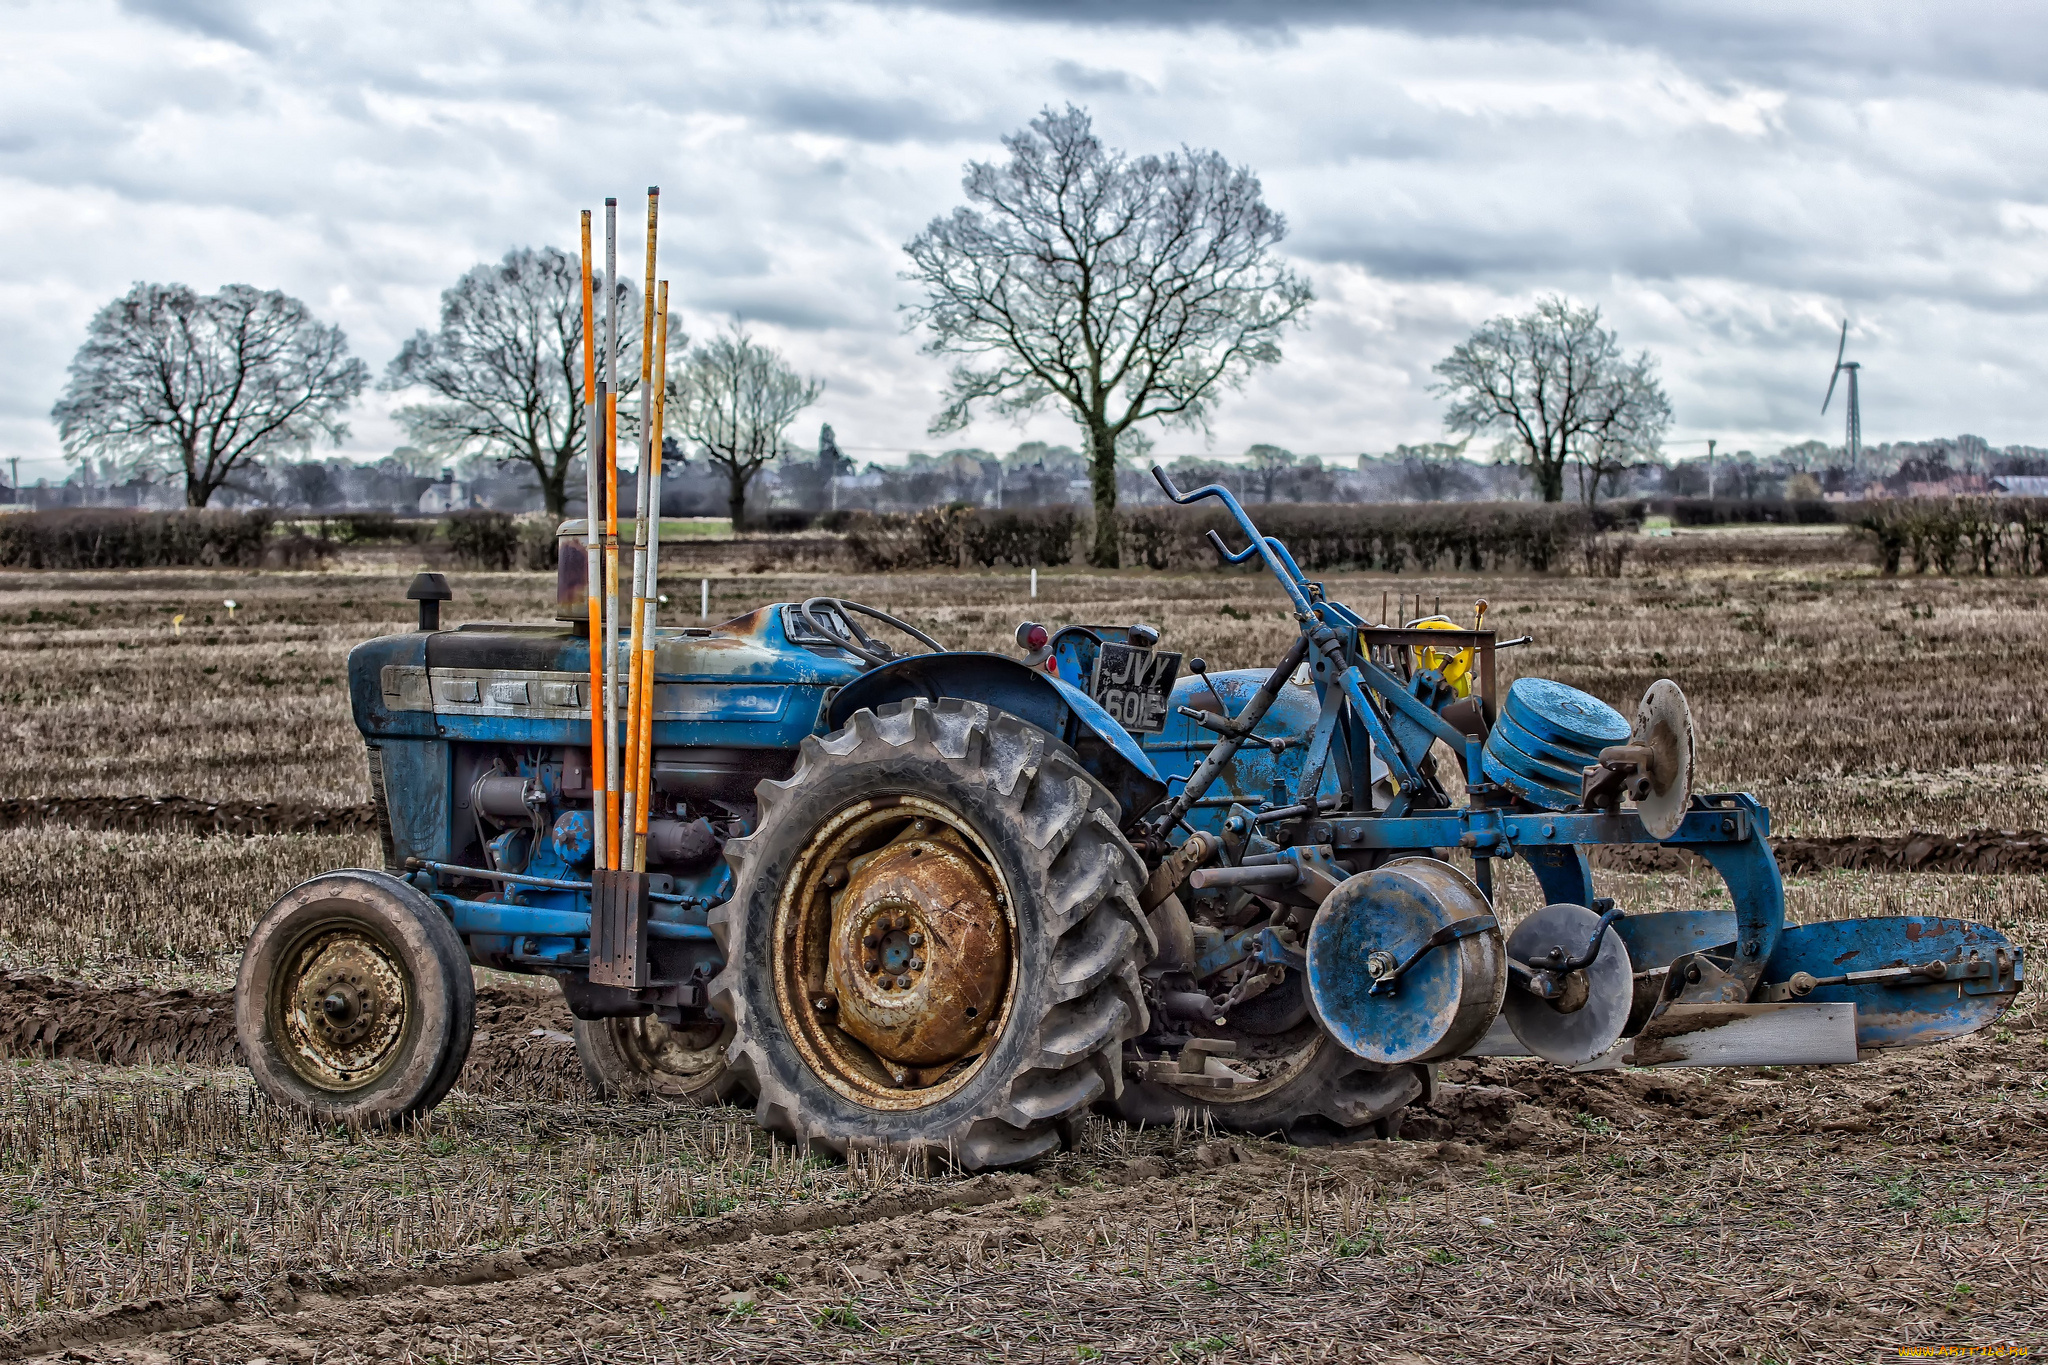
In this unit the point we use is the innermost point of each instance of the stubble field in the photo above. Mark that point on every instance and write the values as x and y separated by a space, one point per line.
157 1209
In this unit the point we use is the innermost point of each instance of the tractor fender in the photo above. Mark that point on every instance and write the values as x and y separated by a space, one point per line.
1107 750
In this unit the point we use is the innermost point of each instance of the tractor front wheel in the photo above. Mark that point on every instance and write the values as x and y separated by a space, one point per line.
354 1003
932 948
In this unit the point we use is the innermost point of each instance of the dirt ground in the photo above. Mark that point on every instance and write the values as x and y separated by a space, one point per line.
157 1209
1641 1216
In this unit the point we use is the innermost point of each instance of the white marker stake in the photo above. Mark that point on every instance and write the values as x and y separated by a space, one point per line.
1034 583
704 599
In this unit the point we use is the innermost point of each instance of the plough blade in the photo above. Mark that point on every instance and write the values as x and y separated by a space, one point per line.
1718 1035
1746 1035
1914 979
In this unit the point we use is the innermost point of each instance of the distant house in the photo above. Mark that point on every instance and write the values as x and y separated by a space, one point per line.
448 494
2021 485
1954 486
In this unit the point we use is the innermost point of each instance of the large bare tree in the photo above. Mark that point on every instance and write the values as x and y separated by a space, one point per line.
505 369
1555 386
736 398
209 383
1124 289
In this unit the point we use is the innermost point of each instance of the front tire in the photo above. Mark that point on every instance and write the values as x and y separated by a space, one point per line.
354 1003
933 944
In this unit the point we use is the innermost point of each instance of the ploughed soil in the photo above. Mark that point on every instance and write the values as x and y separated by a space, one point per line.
1980 851
522 1038
1769 1213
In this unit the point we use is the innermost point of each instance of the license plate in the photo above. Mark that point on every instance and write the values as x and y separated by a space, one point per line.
1134 685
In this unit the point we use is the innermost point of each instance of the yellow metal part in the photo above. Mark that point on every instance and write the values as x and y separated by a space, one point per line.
1455 664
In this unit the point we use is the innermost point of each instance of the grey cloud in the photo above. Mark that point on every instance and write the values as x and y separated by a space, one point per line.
1077 79
797 309
363 160
2005 40
864 118
226 20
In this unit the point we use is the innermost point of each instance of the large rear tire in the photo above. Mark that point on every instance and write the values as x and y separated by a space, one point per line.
932 948
354 1002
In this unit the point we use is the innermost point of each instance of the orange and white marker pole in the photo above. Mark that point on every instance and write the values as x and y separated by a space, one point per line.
643 627
635 817
612 765
593 542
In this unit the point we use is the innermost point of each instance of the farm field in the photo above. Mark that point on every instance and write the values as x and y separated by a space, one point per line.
159 1210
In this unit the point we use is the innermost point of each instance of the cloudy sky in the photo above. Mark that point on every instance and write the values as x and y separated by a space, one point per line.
1727 180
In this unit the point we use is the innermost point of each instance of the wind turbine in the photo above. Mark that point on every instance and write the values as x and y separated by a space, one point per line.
1853 446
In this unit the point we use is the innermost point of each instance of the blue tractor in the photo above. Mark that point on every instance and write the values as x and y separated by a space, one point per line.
945 903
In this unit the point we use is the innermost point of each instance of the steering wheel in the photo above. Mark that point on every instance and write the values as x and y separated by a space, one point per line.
853 639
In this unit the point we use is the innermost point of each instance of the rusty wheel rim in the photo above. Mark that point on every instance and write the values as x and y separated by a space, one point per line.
894 952
343 1003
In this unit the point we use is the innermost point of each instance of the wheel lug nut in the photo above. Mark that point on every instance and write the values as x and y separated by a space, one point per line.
917 940
917 964
902 983
824 1004
871 941
872 965
898 922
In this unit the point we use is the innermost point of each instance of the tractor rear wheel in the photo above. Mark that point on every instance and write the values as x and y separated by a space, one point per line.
932 948
355 1003
631 1058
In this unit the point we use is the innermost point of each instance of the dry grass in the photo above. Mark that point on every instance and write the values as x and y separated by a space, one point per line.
159 908
104 695
126 1184
137 1183
1689 1216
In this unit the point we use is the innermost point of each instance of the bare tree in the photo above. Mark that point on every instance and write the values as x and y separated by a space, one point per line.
1555 386
1435 471
505 370
1125 289
736 399
211 383
1269 466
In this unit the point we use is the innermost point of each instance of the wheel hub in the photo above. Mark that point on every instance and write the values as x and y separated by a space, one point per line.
345 1009
920 950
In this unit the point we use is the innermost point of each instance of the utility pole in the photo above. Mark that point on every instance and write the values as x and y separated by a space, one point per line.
1710 468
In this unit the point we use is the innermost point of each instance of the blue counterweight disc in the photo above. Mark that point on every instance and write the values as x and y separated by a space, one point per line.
1442 1004
1545 734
